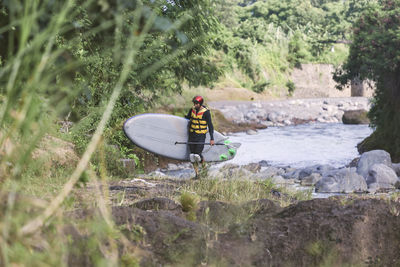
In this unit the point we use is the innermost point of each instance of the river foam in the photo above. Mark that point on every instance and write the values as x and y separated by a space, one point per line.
302 145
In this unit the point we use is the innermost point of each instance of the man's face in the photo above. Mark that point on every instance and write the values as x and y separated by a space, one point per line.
196 105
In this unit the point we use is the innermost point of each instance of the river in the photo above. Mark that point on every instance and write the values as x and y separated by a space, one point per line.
302 145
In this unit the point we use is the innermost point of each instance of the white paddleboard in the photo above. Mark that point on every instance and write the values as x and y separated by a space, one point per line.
162 133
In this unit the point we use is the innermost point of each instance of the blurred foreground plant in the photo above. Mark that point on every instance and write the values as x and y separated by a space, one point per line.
53 57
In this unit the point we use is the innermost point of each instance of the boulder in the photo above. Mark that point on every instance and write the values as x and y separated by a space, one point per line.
271 171
341 181
292 174
311 180
381 176
272 116
320 169
358 116
253 167
279 180
232 173
251 132
396 168
368 159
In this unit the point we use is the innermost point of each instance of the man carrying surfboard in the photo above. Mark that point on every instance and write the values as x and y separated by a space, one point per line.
200 123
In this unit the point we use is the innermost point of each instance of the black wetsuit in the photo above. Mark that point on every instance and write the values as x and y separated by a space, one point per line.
200 137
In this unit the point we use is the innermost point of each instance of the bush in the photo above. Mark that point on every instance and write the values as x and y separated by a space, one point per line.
291 87
189 204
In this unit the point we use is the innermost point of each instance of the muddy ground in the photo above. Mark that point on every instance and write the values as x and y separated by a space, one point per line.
338 231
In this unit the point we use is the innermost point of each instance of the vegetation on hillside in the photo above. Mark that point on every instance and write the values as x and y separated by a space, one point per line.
264 40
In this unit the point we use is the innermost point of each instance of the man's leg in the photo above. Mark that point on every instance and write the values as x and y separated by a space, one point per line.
193 156
198 153
196 170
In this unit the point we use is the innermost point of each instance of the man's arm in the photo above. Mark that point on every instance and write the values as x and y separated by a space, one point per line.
207 117
189 115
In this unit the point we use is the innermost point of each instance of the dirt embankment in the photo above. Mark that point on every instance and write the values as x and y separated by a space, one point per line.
310 81
331 232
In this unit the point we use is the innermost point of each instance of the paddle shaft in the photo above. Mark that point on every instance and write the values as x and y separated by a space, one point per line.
196 143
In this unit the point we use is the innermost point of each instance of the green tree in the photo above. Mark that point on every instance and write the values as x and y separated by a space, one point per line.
298 51
176 40
374 55
226 12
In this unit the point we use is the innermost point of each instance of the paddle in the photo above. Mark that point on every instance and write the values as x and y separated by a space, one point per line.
195 143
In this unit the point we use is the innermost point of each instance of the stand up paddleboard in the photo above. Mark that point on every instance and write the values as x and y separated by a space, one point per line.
167 135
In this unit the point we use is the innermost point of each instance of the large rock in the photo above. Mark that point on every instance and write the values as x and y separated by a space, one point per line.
311 180
358 116
368 159
271 171
396 168
320 169
341 181
381 176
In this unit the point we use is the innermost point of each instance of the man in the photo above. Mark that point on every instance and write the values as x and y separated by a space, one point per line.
200 123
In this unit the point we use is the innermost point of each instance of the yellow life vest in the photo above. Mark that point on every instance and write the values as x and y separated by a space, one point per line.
197 123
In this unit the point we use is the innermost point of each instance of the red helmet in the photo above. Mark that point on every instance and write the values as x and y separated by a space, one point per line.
198 99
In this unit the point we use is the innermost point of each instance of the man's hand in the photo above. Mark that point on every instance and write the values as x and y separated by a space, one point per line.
212 142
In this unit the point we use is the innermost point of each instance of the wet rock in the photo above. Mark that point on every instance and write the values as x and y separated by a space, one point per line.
354 162
396 168
341 181
279 180
156 174
292 174
358 116
271 171
264 163
252 167
272 117
305 172
322 169
368 159
311 180
230 171
172 167
251 132
180 173
381 176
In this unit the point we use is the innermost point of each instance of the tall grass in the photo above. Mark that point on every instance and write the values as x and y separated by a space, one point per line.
36 86
240 190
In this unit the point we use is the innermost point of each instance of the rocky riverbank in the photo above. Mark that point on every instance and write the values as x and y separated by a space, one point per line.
371 173
246 216
289 112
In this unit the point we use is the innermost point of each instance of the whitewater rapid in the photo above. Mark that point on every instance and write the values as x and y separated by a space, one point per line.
302 145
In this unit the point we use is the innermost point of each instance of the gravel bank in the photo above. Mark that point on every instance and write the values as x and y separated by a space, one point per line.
288 112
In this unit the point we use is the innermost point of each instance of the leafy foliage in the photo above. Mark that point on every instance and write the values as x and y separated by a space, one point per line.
266 39
174 50
374 54
96 62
